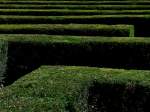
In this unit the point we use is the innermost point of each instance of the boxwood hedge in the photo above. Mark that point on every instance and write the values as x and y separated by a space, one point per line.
69 29
61 12
3 60
77 2
141 22
78 89
28 52
83 7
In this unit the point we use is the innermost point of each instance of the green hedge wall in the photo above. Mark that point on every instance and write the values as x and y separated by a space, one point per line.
3 60
103 19
85 7
62 12
69 29
28 52
70 88
141 22
77 2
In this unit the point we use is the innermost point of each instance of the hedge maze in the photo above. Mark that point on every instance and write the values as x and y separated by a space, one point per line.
74 55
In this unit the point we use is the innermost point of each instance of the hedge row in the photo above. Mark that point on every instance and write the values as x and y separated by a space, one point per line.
84 7
28 52
3 60
78 0
87 2
141 22
103 19
69 29
76 19
62 12
78 89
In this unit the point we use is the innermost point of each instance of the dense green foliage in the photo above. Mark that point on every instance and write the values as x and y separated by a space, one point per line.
60 12
103 19
3 60
68 34
39 38
69 12
28 52
141 22
69 29
76 2
85 7
65 89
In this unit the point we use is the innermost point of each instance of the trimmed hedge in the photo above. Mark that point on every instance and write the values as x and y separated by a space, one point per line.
28 52
78 2
141 22
69 29
76 19
3 60
75 0
83 7
70 88
62 12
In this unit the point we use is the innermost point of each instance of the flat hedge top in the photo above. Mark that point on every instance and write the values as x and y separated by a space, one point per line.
76 73
71 39
77 11
64 26
52 18
65 6
60 12
53 88
69 29
55 18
